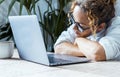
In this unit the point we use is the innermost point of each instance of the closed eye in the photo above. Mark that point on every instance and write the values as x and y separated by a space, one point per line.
84 27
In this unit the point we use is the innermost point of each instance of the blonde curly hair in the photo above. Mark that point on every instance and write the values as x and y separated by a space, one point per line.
98 11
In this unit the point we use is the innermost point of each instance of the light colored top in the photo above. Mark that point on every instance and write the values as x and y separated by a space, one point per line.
108 38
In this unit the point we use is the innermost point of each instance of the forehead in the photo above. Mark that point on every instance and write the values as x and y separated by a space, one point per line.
79 15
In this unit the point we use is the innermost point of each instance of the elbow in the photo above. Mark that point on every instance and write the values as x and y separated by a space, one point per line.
61 49
98 54
57 49
99 58
96 57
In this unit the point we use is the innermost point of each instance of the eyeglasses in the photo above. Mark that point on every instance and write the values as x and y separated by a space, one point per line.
78 24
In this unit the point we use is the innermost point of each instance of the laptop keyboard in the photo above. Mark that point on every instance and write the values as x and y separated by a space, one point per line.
53 59
64 59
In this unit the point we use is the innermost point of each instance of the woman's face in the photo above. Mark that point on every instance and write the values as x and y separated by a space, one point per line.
80 17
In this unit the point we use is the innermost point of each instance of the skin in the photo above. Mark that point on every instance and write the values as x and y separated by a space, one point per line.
82 46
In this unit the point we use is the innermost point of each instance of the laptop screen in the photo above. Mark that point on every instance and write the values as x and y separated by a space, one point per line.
28 38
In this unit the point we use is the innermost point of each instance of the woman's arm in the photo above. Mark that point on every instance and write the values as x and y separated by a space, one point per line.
65 46
91 49
68 48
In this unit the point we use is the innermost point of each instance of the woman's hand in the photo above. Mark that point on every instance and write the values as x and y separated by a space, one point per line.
83 34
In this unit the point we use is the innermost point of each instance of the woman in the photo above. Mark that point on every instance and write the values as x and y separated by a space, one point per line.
99 38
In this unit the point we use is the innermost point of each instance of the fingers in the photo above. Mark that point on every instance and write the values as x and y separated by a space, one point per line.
78 33
75 27
76 30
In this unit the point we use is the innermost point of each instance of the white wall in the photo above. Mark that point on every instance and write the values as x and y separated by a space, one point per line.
15 10
4 10
117 8
43 5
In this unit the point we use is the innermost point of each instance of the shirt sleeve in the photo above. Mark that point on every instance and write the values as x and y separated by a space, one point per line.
66 36
110 41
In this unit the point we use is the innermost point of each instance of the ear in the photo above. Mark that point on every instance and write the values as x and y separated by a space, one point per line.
101 27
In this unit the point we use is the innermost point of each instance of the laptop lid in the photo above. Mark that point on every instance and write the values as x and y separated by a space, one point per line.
30 46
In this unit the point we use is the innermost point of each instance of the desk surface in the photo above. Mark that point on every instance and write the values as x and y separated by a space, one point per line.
19 68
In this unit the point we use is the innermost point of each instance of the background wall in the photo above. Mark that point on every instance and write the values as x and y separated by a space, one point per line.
117 8
4 10
15 10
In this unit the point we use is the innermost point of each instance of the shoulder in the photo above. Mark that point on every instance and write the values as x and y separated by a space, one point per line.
112 32
110 41
114 23
115 20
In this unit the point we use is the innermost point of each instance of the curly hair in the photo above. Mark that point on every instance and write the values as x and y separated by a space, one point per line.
98 11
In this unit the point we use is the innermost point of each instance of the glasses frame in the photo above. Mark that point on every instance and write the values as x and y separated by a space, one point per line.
78 25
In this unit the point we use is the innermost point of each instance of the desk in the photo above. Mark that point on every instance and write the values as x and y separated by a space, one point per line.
19 68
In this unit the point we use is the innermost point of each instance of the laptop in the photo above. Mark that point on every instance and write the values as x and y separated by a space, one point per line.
30 44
